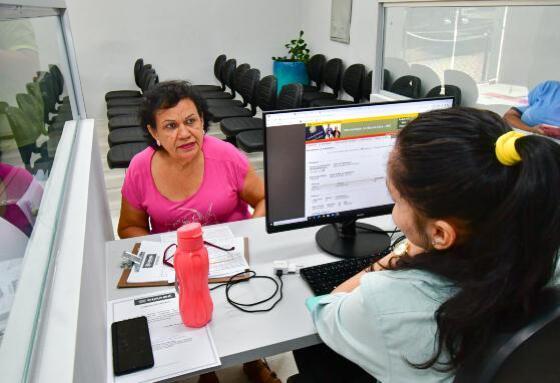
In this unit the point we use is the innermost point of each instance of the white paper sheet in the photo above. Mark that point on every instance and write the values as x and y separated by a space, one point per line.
227 263
177 349
152 269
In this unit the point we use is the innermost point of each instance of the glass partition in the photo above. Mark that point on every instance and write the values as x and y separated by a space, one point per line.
493 55
36 100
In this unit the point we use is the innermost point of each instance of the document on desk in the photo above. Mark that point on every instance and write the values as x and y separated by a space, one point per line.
222 263
152 268
177 349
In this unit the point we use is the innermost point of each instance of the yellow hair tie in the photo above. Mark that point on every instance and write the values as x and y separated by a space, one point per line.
505 148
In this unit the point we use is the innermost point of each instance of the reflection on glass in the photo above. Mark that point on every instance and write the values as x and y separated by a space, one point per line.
33 110
493 55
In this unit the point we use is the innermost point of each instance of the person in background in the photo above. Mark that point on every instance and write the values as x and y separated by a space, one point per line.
542 114
186 176
478 204
20 197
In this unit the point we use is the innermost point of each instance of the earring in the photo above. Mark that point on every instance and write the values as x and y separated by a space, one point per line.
158 143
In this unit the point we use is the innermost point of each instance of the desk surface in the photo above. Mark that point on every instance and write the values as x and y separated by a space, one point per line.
241 337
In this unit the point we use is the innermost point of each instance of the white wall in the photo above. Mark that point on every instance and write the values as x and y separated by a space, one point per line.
316 21
179 38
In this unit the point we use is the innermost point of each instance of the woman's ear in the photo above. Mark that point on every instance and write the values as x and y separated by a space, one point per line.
442 234
153 132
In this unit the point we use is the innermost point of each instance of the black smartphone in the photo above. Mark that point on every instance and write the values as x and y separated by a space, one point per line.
132 349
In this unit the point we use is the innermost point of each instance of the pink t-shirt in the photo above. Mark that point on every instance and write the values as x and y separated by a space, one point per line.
216 201
21 195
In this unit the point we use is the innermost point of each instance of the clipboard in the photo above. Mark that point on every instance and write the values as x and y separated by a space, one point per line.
123 280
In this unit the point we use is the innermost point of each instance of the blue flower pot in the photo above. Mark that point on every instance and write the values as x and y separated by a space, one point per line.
289 72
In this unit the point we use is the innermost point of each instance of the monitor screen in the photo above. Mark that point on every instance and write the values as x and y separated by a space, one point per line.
325 165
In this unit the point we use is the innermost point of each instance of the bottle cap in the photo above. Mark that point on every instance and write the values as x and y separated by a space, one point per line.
189 236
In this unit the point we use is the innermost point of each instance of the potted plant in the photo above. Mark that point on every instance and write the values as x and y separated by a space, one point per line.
293 69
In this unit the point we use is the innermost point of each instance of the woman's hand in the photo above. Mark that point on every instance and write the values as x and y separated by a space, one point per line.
383 264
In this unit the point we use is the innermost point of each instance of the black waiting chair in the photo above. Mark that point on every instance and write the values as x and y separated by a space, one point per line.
352 83
332 77
408 86
25 134
150 81
59 78
290 97
226 74
446 90
367 86
528 354
127 115
387 79
145 75
247 90
138 65
124 121
315 72
119 156
238 74
33 110
50 96
218 64
266 100
126 135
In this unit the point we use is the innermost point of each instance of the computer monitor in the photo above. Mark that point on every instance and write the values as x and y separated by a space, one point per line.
327 165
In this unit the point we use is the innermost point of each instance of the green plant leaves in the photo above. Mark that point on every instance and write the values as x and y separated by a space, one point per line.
298 50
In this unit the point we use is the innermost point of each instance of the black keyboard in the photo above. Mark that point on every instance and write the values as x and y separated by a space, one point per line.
324 278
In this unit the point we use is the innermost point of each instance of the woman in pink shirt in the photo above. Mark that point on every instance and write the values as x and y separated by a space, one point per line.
184 176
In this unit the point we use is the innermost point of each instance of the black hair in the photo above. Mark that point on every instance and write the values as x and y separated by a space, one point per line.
165 95
445 167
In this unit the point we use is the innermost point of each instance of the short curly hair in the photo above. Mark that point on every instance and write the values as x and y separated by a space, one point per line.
166 95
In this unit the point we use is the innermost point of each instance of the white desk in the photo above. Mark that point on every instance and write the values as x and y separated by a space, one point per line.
242 337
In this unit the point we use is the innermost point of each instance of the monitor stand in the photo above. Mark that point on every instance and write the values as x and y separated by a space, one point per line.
352 240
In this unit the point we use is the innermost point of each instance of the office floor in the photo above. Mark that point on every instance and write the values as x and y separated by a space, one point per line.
282 364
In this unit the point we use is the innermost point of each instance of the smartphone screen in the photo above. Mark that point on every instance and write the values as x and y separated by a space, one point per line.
132 349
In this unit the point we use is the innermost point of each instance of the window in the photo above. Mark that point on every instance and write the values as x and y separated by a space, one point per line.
495 55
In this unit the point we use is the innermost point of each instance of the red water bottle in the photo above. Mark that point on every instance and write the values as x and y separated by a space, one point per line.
191 272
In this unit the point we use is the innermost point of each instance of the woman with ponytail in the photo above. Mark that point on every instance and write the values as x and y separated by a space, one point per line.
478 204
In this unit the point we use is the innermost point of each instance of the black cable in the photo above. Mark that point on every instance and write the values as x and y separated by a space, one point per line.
240 306
378 230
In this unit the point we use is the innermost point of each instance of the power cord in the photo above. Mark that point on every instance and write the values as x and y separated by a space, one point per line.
279 285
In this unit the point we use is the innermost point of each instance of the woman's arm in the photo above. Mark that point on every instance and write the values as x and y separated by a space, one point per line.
513 118
347 323
132 222
253 192
350 284
383 264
